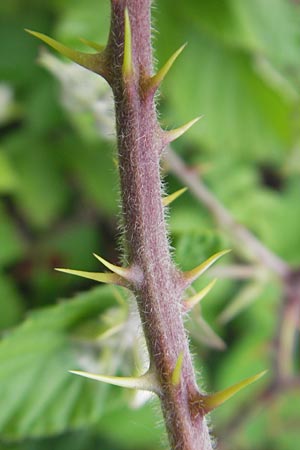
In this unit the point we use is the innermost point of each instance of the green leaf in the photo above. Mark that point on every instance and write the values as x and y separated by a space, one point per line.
248 353
18 52
243 112
8 176
195 246
41 193
88 161
237 111
88 20
76 440
38 395
11 306
126 428
43 111
71 246
248 25
246 357
256 28
11 245
272 425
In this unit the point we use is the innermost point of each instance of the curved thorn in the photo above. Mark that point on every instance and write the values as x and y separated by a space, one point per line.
87 60
176 375
127 61
146 382
171 135
195 299
212 401
193 274
121 271
110 278
156 80
92 44
170 198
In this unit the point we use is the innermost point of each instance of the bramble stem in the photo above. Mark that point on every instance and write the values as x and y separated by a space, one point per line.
160 290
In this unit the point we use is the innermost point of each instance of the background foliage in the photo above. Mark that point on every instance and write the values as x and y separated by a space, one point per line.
59 200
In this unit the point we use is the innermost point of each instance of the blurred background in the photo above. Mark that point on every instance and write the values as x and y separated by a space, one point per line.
59 202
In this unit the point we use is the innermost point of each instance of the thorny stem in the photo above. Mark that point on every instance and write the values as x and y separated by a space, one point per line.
160 290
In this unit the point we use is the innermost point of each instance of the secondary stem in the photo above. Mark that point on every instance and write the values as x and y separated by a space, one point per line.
224 218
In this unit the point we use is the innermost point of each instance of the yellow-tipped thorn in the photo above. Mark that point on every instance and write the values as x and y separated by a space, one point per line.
212 401
146 382
170 198
195 299
91 44
193 274
110 278
89 61
127 61
121 271
176 375
157 79
172 135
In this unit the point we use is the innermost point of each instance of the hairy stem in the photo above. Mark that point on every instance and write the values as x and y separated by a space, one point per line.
160 285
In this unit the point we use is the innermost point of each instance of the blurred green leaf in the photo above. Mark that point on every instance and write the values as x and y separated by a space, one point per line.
11 244
94 168
275 427
248 354
8 176
89 20
18 51
43 112
241 110
133 429
247 357
42 193
38 395
244 113
11 305
72 246
247 25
